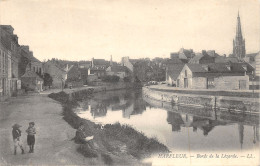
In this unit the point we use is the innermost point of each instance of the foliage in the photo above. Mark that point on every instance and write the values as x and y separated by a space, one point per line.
127 79
47 79
109 78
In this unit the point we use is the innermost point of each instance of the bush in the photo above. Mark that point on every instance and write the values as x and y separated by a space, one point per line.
109 78
127 79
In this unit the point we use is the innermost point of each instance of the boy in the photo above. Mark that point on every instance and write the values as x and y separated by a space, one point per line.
16 137
30 137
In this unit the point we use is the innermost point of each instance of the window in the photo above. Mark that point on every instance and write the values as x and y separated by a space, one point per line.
210 83
185 73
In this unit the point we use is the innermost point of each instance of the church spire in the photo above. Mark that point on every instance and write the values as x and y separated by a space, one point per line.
239 50
238 32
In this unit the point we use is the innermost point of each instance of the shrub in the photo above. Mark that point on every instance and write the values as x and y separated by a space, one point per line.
109 78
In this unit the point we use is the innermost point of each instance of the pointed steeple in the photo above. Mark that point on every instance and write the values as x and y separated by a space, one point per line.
239 50
238 32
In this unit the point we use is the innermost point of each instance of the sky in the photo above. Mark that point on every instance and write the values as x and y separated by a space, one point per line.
82 29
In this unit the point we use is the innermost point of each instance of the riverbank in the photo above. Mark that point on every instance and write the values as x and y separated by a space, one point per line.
193 98
53 139
115 143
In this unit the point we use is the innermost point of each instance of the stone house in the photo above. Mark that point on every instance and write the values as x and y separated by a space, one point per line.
98 71
225 76
31 81
120 71
9 81
202 58
76 76
28 60
99 63
185 54
59 75
172 73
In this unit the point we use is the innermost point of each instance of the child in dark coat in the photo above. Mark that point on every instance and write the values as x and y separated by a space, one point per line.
16 132
31 136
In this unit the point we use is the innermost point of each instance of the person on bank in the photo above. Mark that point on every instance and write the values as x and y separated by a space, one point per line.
82 137
31 136
16 132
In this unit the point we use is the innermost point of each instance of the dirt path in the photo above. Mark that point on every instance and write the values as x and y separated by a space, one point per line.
53 139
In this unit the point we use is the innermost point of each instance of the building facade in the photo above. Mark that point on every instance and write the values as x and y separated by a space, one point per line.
9 55
59 75
213 76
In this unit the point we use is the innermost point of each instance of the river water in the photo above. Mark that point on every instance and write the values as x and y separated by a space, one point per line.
180 128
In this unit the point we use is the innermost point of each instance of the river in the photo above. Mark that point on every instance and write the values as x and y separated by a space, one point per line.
180 128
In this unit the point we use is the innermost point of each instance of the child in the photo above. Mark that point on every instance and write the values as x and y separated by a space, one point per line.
16 137
30 137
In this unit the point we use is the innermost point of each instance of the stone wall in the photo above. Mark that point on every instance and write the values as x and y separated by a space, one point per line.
230 83
195 100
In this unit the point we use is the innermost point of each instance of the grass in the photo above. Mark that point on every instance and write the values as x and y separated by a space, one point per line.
138 145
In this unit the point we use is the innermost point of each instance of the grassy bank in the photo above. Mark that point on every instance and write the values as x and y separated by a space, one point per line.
114 141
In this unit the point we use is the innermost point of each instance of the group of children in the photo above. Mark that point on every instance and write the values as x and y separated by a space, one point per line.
30 137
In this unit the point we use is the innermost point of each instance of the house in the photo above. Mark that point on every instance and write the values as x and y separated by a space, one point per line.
85 64
172 73
59 75
120 71
27 59
185 54
99 63
221 76
9 80
75 76
98 71
202 58
31 81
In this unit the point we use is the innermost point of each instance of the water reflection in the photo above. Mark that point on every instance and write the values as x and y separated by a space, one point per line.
179 127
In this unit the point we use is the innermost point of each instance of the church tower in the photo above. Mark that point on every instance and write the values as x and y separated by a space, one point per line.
239 49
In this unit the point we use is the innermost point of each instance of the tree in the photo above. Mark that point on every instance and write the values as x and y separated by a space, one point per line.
47 80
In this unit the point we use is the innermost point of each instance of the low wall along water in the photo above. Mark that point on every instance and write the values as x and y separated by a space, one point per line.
228 103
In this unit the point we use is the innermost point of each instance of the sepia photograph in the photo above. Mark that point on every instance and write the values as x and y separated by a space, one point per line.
130 82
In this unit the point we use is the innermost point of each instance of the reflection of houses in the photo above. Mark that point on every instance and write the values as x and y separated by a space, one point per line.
59 75
217 76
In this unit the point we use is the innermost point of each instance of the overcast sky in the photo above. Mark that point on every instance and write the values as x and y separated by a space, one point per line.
82 29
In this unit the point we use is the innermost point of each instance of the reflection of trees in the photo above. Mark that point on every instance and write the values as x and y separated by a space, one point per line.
129 102
98 110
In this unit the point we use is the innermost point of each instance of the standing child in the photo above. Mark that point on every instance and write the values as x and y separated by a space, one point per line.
30 137
16 137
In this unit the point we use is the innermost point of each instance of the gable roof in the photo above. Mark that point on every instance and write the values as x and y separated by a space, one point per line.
222 59
196 68
52 63
31 74
100 62
174 70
